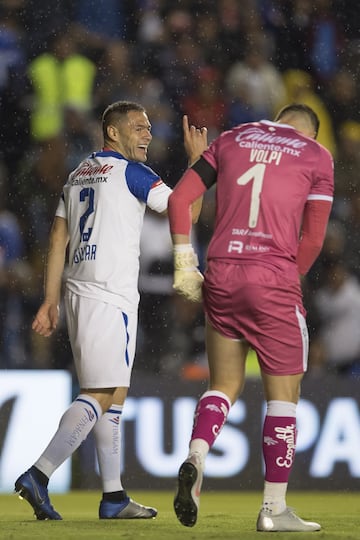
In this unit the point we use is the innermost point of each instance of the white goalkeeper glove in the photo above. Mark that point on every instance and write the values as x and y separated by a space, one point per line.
187 278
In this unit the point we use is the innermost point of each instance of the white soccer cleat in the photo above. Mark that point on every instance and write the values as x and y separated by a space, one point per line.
287 521
187 498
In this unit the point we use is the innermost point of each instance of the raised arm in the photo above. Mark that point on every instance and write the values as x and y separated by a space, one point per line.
187 278
195 142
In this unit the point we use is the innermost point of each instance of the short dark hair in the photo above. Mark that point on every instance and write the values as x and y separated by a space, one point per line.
300 108
116 111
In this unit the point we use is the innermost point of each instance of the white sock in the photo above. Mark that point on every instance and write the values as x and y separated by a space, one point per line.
281 408
75 425
274 497
200 447
108 446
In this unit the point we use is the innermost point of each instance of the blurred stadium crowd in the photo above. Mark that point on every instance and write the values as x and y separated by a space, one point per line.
222 62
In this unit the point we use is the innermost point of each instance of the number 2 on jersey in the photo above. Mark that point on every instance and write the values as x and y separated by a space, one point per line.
86 194
255 173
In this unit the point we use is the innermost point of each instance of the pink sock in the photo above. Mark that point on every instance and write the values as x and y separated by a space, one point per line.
279 440
210 416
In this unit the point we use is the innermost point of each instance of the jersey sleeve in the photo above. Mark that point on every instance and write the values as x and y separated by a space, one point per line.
210 154
140 180
315 220
189 188
61 211
147 186
206 172
322 188
158 197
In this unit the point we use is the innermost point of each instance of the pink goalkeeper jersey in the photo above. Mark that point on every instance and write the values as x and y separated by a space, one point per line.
265 174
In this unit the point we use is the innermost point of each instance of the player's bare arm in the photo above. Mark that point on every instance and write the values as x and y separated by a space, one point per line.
47 316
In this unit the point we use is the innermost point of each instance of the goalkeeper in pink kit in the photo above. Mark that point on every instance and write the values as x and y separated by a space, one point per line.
274 191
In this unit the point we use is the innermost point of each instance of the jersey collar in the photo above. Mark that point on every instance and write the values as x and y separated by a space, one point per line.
275 124
106 152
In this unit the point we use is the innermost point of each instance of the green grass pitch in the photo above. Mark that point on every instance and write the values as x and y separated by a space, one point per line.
223 516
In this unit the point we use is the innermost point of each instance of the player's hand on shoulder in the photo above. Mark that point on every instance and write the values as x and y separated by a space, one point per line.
195 140
46 319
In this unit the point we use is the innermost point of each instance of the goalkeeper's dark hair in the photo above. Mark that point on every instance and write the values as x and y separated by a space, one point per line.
116 111
300 108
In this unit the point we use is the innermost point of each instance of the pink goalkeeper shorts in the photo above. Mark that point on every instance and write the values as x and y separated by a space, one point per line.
259 304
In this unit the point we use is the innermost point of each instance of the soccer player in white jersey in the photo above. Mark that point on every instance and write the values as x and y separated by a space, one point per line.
98 221
274 191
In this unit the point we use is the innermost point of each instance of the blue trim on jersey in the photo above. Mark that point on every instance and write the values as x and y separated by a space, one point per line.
139 177
90 405
114 411
126 320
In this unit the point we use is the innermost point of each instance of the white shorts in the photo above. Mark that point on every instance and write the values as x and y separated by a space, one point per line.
103 340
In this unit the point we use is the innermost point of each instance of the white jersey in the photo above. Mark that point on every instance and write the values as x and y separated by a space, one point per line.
104 201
